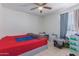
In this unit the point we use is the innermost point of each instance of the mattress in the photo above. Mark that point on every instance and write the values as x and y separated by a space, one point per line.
10 47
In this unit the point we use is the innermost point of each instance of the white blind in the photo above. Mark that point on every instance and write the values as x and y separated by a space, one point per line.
71 24
76 19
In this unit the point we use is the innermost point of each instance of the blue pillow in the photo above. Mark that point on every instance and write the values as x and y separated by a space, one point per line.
24 38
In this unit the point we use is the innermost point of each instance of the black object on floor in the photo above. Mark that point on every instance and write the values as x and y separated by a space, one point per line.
57 45
72 54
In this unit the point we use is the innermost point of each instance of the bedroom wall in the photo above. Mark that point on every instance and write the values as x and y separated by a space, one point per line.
1 22
15 22
52 24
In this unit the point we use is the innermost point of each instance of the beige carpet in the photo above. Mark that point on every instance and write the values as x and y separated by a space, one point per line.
53 51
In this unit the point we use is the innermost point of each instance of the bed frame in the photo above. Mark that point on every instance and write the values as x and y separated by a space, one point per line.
35 51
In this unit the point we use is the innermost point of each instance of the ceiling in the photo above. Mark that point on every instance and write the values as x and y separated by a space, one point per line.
25 7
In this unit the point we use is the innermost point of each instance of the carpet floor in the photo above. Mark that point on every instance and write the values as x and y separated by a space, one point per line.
53 51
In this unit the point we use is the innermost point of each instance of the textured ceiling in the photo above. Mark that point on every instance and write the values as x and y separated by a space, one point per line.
25 7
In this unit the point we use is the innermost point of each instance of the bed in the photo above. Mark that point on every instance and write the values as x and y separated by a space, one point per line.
9 46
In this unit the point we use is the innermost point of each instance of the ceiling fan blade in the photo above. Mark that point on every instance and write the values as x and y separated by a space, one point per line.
47 7
43 4
40 4
33 8
40 11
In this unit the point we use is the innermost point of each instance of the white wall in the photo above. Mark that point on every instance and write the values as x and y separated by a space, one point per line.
52 24
1 22
15 22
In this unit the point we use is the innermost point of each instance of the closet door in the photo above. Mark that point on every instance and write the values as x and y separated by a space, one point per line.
63 24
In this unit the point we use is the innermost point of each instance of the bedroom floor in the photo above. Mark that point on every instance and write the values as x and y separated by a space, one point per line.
53 51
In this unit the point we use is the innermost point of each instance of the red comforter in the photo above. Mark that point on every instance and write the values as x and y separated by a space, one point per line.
9 46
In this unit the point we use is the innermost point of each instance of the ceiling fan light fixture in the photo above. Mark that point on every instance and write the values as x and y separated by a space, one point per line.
40 8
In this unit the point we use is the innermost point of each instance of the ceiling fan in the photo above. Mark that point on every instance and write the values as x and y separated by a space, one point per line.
41 6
